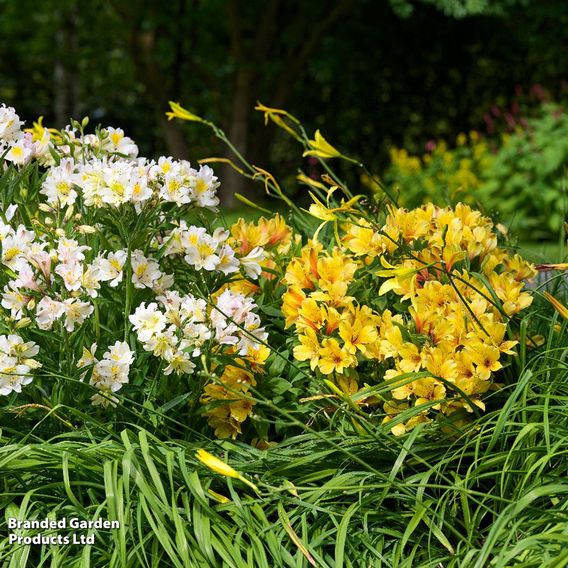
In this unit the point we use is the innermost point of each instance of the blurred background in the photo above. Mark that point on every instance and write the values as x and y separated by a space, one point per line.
445 100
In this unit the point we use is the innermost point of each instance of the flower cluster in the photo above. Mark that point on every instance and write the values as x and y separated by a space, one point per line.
204 251
176 328
457 291
108 374
16 363
111 182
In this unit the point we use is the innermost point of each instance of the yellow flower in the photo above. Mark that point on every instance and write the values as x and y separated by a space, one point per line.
183 114
333 358
321 148
218 466
309 348
357 335
559 306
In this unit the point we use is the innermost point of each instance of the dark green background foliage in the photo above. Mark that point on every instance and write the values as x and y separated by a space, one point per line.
370 72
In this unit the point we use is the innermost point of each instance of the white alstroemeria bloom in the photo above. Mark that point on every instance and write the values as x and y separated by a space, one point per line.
120 354
111 268
47 311
147 321
72 275
251 262
204 186
195 335
14 300
69 251
90 280
10 124
26 279
203 255
145 271
76 312
59 184
179 363
163 284
163 344
13 375
14 346
117 142
117 188
175 188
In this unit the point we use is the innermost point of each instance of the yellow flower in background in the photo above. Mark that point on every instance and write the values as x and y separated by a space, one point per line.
183 114
321 148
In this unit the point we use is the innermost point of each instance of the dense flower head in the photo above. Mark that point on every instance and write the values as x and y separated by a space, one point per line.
457 291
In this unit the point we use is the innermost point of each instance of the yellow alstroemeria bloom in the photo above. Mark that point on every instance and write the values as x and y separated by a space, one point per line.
395 275
321 148
183 114
219 466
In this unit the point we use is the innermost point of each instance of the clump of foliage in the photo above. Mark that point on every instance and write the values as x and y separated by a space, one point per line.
502 175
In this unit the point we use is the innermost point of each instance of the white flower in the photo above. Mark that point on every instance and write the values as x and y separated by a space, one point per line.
72 275
163 284
69 250
14 346
120 354
147 321
76 312
110 268
179 363
13 375
119 143
14 300
251 262
202 256
47 311
203 187
163 344
59 184
145 271
10 124
20 152
90 280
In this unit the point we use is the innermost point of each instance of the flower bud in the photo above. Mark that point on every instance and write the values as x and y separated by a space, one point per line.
60 232
68 213
31 304
32 363
24 322
86 229
45 208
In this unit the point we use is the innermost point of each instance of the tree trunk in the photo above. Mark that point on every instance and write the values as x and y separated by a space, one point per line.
232 182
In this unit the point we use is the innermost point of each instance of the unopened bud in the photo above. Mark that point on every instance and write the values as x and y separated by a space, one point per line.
45 208
86 229
68 213
24 192
60 232
31 304
24 322
48 221
78 216
32 363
